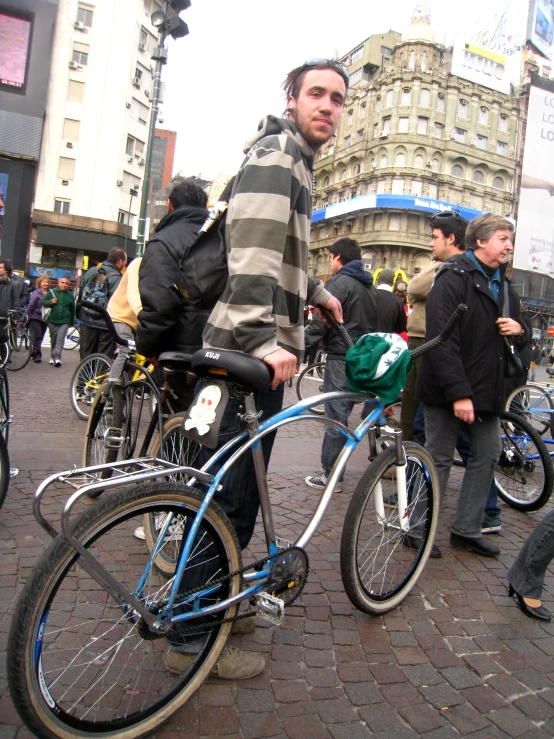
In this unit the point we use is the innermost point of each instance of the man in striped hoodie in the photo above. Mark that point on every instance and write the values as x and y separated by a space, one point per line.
261 311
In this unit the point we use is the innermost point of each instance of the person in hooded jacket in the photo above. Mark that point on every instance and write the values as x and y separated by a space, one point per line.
167 321
353 287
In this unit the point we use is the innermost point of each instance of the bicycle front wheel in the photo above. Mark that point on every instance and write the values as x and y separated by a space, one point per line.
182 451
81 662
4 405
532 402
72 339
380 561
20 349
4 470
105 435
524 474
87 379
310 382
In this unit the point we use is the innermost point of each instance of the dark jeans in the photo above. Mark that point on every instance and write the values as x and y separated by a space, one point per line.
95 340
38 329
340 410
410 404
527 573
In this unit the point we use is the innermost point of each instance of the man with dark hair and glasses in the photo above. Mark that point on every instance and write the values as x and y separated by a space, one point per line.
261 311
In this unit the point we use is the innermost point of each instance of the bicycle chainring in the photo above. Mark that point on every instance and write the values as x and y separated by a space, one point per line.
288 575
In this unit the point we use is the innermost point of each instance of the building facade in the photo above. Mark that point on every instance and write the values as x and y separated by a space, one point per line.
93 153
414 139
163 157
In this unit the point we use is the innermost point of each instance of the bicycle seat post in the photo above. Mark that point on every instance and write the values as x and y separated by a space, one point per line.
251 416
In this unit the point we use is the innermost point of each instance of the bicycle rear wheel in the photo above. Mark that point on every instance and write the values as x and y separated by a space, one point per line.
4 405
105 429
87 379
20 349
72 339
82 663
524 474
4 470
532 402
381 563
310 383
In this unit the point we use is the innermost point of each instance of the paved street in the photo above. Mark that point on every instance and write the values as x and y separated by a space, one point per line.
458 658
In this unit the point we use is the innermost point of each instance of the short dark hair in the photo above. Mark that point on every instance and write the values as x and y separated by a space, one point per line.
187 192
8 266
346 249
294 79
115 254
451 224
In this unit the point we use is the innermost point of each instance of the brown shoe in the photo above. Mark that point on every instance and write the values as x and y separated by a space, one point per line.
244 626
233 663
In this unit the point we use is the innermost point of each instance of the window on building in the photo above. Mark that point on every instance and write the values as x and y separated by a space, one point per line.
139 146
477 202
498 182
397 186
435 164
383 160
326 182
381 187
422 126
440 103
323 232
419 161
139 112
355 77
503 123
385 51
356 169
411 63
130 147
481 142
378 104
386 125
342 197
122 216
362 111
84 16
463 108
460 135
388 100
76 91
61 206
350 225
378 221
375 130
413 223
400 160
455 197
138 76
478 177
130 182
457 171
348 141
484 115
417 187
357 54
403 124
360 135
394 222
325 203
71 129
438 130
406 98
143 38
66 168
423 61
424 97
433 191
502 148
343 174
349 117
80 53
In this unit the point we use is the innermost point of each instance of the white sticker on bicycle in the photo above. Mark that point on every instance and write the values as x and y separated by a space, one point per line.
202 414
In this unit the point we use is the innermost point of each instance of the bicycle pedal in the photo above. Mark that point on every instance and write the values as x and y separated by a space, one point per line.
113 438
270 608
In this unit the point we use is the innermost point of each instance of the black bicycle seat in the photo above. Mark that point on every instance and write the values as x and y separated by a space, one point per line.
231 367
550 371
175 361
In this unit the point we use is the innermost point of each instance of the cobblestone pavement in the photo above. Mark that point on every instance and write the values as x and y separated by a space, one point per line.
457 658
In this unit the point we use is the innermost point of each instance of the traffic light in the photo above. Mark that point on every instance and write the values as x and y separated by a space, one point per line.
175 26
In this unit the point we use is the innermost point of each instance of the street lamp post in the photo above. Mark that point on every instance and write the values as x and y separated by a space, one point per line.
173 26
133 191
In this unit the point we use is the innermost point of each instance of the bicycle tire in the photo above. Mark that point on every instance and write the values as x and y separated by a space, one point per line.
72 339
4 470
523 474
378 582
320 357
5 407
4 354
83 386
180 450
119 689
105 425
523 397
309 383
21 348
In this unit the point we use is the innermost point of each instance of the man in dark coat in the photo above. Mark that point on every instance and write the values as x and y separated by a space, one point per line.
353 286
392 316
167 321
463 379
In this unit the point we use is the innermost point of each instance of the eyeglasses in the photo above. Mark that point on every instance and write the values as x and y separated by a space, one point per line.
446 214
331 63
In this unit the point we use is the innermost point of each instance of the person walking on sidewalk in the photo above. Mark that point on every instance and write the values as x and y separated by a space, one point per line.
61 318
34 314
535 359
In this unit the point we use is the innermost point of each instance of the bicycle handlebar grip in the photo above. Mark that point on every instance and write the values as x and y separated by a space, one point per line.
106 316
444 334
337 326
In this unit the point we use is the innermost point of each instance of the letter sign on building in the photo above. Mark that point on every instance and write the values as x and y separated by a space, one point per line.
477 64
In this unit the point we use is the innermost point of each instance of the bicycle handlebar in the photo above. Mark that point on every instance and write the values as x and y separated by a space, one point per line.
337 326
444 334
109 323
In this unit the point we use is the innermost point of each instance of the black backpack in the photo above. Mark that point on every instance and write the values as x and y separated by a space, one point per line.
203 270
95 291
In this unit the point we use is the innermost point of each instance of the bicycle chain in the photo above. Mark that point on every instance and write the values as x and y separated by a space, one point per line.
231 619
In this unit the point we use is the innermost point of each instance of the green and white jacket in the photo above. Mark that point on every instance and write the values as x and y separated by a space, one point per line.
267 235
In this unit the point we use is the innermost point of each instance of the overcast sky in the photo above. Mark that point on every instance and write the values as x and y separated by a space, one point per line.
227 74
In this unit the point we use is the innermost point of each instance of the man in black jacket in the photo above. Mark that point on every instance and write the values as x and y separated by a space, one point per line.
167 322
353 287
392 317
463 379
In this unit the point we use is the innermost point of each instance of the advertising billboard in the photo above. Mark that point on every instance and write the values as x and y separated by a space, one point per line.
3 196
15 36
535 224
540 31
480 65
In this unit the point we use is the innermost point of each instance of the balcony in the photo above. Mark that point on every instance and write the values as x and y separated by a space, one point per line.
80 223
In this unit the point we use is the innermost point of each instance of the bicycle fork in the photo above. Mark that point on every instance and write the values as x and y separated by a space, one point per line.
401 490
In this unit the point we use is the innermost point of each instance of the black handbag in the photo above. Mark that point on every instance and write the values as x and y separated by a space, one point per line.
513 366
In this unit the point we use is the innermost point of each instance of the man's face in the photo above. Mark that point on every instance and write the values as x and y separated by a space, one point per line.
63 283
335 264
495 251
318 108
3 272
442 246
120 263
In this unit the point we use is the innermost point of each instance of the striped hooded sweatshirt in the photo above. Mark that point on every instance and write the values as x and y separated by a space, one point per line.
267 234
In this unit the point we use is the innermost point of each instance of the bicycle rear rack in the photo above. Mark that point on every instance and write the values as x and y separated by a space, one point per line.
89 481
